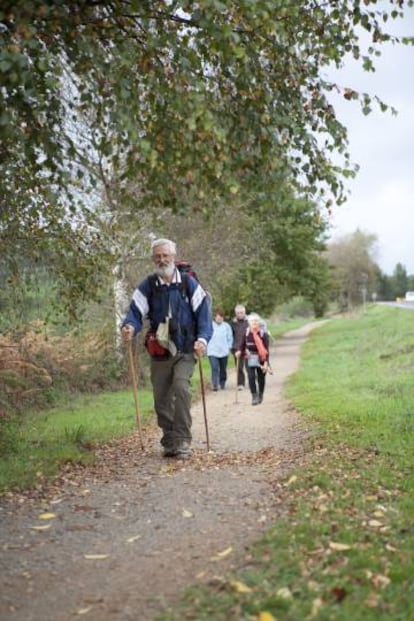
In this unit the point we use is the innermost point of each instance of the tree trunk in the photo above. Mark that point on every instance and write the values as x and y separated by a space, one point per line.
121 303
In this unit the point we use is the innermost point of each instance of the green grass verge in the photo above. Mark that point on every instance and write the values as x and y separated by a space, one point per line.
343 547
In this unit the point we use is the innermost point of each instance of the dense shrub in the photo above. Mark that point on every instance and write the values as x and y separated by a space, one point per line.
38 366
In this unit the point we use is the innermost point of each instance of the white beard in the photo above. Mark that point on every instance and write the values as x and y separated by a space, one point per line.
165 271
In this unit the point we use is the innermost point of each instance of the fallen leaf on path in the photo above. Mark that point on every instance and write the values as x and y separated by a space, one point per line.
380 581
46 516
339 547
240 587
41 527
95 557
266 616
316 606
339 593
292 479
284 593
83 611
132 539
186 513
222 554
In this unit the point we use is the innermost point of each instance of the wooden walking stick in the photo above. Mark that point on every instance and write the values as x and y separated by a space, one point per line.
237 378
203 397
135 391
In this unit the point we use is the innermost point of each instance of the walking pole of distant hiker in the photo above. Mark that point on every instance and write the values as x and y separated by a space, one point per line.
237 375
203 397
135 391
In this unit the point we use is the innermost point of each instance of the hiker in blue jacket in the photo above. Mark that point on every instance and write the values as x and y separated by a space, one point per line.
180 328
218 350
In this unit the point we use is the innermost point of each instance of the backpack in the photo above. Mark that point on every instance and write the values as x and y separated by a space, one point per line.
186 269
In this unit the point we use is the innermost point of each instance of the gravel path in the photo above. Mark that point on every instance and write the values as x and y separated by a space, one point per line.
131 532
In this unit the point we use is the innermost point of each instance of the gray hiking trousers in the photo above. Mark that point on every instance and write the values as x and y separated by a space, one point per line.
171 383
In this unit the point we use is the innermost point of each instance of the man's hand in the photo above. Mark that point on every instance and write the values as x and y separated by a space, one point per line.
127 333
200 348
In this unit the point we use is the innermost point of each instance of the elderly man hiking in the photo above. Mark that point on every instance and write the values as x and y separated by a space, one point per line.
180 328
239 326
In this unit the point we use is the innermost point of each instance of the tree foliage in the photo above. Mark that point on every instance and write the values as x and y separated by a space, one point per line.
196 103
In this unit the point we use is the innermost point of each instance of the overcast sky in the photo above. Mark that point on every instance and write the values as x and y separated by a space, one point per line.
382 194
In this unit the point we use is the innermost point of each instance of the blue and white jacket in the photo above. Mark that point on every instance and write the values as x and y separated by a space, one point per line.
183 301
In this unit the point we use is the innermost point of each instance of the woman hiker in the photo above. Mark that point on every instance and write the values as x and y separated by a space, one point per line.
255 349
218 350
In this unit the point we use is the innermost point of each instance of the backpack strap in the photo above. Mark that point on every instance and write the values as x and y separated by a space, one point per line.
184 286
155 286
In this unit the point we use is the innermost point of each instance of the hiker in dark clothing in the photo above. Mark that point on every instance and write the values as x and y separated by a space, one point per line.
239 325
180 328
255 349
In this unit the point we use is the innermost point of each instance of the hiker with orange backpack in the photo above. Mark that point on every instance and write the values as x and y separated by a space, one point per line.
180 329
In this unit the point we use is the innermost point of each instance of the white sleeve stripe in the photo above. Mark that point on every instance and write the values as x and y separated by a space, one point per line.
141 302
198 297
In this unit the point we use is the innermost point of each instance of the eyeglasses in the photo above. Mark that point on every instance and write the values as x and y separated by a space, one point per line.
161 255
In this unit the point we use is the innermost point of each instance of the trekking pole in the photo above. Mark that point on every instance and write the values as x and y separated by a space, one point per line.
203 397
135 391
237 378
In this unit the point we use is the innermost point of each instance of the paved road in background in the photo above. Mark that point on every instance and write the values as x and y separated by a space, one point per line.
402 304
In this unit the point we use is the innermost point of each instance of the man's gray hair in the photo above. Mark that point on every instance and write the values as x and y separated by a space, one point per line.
164 242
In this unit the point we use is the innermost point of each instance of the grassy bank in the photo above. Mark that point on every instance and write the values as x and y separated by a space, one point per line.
343 547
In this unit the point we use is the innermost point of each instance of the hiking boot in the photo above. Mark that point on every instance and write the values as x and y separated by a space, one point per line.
260 397
255 399
183 451
169 451
240 387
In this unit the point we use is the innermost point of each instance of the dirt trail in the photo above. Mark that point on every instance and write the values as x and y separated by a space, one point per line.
161 524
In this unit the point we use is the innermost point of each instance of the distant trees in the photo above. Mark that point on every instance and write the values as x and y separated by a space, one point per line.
356 275
399 281
396 285
354 268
